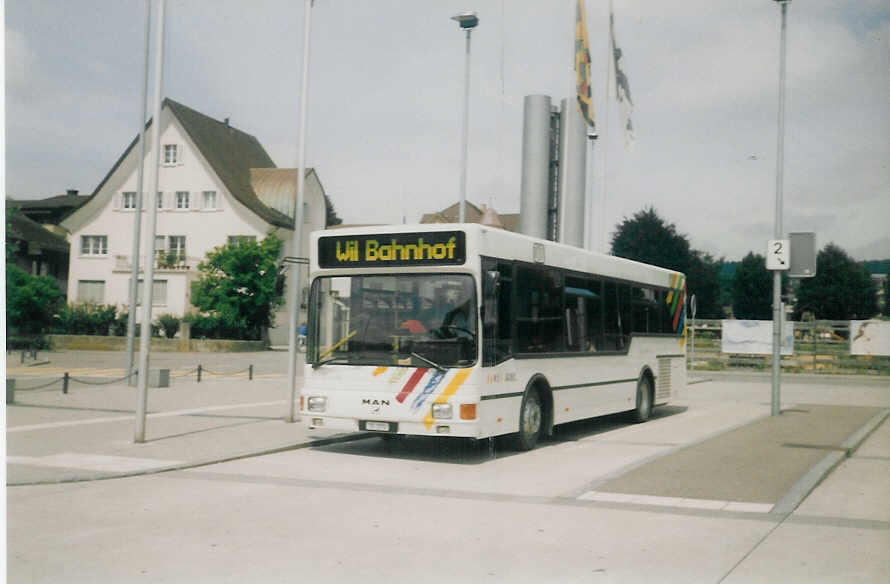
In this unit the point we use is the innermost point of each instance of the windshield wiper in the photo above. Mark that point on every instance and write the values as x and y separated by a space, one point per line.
425 360
318 364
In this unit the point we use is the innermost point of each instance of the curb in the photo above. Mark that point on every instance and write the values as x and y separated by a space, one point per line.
196 464
808 482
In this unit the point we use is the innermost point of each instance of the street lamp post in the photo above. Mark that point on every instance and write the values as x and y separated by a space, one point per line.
467 21
296 283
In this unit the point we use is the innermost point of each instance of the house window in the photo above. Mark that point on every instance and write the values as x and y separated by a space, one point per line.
171 154
158 292
160 200
169 250
209 199
176 246
94 245
129 200
236 239
91 291
182 199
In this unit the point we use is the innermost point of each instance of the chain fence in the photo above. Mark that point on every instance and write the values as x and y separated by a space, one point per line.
67 379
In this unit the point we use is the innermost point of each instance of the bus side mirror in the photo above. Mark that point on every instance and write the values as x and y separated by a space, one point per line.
490 283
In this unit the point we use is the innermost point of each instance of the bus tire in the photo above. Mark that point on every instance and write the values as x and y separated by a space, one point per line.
643 410
530 420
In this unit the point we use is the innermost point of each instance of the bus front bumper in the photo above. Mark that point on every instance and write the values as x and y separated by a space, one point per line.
445 427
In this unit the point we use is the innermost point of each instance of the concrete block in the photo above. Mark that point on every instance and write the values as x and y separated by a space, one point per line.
156 378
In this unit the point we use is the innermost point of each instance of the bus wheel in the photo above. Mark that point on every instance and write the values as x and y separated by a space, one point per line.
644 400
529 420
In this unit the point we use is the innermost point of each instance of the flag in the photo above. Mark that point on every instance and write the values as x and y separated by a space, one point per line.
582 65
622 88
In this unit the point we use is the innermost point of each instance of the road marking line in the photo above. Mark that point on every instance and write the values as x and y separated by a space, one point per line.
97 462
711 504
128 418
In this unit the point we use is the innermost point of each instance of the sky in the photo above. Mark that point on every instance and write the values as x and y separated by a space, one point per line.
385 104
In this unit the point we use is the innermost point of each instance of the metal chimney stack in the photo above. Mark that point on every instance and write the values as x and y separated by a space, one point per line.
572 174
535 166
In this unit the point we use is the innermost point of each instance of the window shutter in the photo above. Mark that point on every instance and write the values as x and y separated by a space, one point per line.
196 200
117 198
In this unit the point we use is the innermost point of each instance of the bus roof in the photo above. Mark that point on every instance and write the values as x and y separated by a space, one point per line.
482 240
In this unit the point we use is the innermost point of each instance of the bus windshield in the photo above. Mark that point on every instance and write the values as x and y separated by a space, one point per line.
418 320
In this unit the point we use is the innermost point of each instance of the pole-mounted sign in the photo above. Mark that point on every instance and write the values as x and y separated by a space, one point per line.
802 256
777 254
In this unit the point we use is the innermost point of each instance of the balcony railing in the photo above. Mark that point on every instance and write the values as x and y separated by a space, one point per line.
163 260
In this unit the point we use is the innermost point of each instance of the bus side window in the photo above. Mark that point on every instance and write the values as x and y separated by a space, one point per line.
539 314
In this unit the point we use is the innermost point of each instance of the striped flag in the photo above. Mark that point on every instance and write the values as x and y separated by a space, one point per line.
622 88
582 65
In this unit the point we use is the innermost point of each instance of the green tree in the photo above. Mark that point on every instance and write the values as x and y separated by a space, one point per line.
648 238
331 217
30 300
752 289
703 280
237 285
841 289
887 294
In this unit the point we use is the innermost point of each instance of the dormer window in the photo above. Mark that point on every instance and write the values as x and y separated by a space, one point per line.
171 154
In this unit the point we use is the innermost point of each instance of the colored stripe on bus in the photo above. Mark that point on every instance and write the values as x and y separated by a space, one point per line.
431 386
411 384
450 390
379 371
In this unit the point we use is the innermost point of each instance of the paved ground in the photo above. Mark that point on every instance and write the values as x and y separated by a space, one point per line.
713 486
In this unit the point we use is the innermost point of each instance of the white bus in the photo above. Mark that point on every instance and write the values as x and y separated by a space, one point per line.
472 331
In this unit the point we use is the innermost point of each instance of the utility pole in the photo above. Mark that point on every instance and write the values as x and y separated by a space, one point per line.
778 309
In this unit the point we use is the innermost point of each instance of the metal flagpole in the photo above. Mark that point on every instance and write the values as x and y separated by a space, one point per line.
137 216
777 275
296 289
154 165
604 193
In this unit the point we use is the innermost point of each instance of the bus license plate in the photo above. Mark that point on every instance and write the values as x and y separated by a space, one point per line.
378 426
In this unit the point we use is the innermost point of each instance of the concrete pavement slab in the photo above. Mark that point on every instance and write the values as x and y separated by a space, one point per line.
757 463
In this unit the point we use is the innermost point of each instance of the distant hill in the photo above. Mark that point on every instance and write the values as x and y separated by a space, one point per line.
881 267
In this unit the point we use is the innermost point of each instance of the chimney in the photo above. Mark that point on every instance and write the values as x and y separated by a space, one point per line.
72 192
226 122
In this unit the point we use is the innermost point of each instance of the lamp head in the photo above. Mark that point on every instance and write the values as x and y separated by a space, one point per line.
466 20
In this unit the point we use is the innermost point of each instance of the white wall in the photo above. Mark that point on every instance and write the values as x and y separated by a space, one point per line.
204 228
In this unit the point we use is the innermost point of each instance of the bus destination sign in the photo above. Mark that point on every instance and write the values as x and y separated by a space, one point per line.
443 248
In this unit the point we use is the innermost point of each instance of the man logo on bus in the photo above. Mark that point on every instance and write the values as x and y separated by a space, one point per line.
375 403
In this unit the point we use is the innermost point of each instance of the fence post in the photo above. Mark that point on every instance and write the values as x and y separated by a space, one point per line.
199 373
65 383
250 373
815 347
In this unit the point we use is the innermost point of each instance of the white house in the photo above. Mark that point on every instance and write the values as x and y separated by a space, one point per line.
216 184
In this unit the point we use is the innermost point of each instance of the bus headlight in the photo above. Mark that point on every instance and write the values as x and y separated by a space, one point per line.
317 404
442 411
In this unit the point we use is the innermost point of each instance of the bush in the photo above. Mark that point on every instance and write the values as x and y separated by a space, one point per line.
169 324
30 300
86 319
211 326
